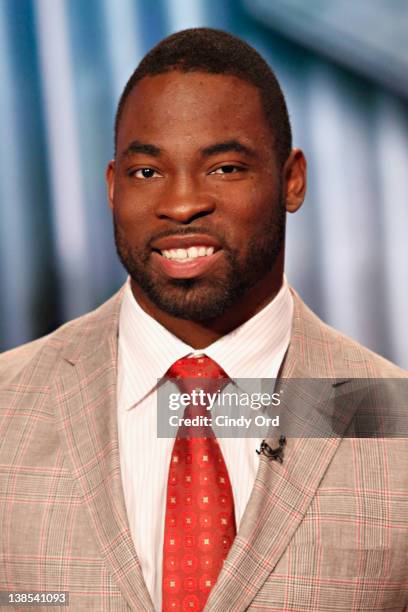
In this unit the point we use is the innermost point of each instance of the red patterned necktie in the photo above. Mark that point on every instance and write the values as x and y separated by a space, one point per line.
200 523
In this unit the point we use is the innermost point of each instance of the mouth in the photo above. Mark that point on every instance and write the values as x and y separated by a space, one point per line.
186 256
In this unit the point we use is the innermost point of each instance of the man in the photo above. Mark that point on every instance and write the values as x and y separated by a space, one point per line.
203 174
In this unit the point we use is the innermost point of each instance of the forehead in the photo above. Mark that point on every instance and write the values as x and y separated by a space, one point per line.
193 107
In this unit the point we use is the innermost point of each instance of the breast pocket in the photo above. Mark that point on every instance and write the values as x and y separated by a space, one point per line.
348 563
321 578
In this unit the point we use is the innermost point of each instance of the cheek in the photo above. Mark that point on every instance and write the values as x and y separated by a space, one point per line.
251 219
128 208
252 206
131 223
135 201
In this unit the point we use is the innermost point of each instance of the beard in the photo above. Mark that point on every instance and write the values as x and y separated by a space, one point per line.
203 299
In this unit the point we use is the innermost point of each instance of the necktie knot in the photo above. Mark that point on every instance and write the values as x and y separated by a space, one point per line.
193 367
203 372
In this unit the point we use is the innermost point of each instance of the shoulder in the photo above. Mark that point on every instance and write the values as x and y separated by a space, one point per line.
323 347
37 361
362 378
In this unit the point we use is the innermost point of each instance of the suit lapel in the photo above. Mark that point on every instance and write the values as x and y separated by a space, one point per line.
283 492
85 405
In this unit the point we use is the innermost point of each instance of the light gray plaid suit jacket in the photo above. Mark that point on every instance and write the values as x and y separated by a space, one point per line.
326 530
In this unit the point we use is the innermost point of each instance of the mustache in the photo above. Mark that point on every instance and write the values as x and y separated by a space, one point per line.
190 231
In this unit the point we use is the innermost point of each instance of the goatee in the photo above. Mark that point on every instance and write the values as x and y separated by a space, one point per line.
203 299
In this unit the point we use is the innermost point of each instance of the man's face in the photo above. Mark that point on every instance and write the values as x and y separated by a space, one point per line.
196 192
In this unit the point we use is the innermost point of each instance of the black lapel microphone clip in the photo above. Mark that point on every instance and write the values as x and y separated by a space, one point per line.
275 454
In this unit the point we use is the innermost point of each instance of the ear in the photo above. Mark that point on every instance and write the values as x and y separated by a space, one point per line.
294 174
110 181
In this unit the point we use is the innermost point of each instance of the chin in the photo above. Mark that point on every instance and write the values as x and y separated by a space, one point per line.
190 299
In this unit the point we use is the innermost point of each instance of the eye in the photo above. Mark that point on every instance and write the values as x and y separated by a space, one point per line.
227 169
144 173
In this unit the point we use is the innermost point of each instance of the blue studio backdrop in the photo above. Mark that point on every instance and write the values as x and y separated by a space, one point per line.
343 67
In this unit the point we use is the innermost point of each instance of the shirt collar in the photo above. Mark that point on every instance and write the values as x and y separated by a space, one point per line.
255 349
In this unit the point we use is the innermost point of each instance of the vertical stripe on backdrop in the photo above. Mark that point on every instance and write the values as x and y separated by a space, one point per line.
64 156
15 273
124 40
391 135
94 99
182 14
341 142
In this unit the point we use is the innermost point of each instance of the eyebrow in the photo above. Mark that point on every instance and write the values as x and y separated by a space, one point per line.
136 146
141 147
226 147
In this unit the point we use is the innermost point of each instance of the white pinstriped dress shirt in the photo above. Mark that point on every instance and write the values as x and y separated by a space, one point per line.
146 351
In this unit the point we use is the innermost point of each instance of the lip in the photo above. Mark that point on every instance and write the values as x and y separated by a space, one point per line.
191 269
186 241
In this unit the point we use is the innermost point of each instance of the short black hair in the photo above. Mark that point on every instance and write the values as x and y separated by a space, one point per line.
217 52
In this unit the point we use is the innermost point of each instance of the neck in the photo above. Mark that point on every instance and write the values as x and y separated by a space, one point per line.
200 334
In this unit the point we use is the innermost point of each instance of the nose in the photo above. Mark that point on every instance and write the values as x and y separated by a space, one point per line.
184 201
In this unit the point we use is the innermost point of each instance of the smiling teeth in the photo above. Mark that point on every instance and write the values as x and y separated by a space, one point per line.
186 254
